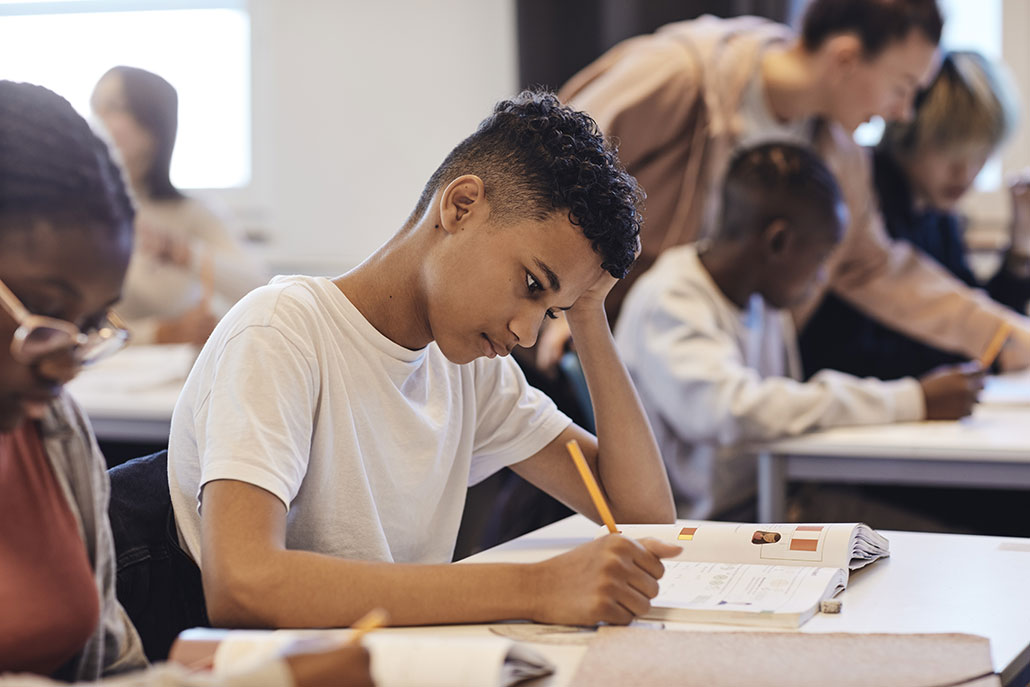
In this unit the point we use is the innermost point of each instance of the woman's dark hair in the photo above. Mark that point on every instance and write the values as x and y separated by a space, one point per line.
154 103
877 23
536 157
53 168
779 181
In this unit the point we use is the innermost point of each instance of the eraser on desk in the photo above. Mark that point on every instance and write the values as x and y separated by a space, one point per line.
830 606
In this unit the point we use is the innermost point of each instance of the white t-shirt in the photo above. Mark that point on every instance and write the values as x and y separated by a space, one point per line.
757 124
370 445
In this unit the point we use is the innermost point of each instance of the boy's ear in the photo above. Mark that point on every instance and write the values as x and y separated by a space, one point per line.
777 238
462 202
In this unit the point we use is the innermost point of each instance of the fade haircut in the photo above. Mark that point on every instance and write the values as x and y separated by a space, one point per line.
876 23
53 168
970 101
537 157
779 181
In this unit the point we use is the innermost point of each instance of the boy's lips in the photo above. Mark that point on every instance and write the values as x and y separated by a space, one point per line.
491 349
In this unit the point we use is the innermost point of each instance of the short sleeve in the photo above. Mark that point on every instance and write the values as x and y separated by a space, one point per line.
256 424
514 420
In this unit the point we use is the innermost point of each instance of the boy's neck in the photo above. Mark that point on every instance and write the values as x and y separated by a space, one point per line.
386 289
732 267
790 83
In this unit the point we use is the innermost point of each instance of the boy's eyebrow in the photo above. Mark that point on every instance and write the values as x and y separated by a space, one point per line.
552 278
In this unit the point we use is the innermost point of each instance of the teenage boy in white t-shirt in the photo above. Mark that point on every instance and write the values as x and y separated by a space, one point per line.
324 441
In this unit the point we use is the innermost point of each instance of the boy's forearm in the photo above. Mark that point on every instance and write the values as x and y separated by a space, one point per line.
629 464
305 589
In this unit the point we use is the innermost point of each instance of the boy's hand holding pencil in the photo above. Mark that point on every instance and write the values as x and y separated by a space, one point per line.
610 580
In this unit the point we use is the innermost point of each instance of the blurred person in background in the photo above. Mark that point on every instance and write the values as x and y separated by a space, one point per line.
922 168
188 268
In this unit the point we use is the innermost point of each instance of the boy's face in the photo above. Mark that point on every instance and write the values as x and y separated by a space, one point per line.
796 265
490 287
883 86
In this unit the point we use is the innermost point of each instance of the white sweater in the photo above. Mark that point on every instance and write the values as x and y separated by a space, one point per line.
713 377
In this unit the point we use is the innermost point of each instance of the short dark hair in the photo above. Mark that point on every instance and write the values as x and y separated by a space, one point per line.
53 168
154 104
778 181
877 23
536 157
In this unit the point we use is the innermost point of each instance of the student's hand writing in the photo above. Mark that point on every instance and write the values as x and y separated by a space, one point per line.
345 665
610 580
951 391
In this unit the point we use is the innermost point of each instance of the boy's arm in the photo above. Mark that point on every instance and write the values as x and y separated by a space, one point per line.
252 580
624 456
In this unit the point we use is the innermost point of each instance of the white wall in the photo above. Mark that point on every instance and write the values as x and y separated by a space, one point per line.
355 104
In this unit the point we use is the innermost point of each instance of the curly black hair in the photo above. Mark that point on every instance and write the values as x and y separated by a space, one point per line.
779 181
54 168
537 157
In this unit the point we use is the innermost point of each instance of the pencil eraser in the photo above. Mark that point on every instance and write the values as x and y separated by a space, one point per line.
830 606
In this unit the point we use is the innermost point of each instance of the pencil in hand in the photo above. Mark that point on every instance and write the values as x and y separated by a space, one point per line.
592 487
374 619
995 346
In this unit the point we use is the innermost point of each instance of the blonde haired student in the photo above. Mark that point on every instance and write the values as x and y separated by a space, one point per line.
712 350
324 441
922 168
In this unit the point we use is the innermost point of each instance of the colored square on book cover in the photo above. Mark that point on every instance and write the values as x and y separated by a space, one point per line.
808 528
804 544
687 533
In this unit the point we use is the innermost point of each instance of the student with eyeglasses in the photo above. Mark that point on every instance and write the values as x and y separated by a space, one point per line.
65 241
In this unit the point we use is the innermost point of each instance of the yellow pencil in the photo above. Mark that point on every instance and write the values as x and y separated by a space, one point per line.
372 620
994 348
595 491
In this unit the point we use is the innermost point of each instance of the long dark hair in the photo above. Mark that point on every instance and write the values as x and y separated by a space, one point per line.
154 103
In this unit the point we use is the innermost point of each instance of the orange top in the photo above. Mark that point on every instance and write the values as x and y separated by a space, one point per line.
47 590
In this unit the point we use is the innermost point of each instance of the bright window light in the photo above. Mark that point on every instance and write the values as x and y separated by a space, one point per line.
201 48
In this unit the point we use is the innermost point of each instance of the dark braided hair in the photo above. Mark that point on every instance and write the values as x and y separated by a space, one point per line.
53 167
536 157
779 181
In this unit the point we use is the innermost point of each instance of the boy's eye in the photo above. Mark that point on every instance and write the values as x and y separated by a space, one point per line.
551 314
532 283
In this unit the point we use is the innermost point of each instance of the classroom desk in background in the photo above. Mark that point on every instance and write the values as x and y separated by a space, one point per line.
130 396
989 450
932 583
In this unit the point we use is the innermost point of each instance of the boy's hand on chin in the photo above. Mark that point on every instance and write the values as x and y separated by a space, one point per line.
594 296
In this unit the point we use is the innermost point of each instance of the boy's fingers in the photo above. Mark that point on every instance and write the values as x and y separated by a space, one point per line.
660 548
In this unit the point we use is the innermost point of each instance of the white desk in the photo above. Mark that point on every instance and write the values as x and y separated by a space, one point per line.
990 449
931 583
131 396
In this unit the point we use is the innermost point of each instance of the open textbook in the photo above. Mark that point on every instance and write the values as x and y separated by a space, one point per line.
745 574
398 657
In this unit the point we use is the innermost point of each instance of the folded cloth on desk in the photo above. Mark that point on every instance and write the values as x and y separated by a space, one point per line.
629 656
398 659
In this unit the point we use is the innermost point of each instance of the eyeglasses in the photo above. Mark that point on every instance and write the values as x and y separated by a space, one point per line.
39 336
